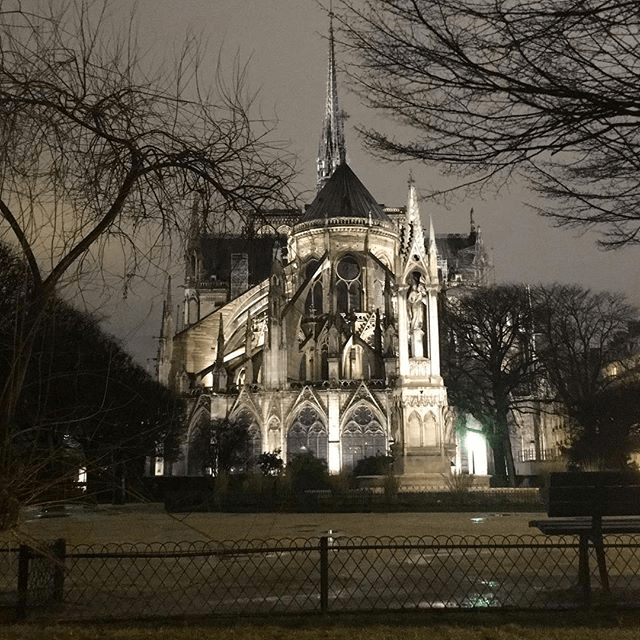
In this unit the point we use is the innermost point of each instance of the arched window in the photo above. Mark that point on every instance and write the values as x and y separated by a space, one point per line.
255 435
307 434
197 455
362 436
348 285
313 304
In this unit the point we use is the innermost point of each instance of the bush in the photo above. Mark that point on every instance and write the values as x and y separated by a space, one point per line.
378 465
458 482
306 472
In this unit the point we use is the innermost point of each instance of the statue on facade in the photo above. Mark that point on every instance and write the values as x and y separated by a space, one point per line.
415 298
390 341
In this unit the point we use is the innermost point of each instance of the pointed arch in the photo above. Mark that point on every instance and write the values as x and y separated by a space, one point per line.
430 430
307 432
195 456
363 434
348 284
413 437
250 418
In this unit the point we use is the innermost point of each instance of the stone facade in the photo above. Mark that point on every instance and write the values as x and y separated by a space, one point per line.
320 327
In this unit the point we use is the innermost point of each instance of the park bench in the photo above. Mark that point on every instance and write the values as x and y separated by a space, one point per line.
590 505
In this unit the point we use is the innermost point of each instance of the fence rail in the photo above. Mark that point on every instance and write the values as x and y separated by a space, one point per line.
330 573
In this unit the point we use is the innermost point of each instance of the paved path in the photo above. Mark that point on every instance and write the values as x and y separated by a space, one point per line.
150 523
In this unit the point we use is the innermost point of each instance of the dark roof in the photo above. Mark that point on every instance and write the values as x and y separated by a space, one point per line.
216 255
344 196
452 246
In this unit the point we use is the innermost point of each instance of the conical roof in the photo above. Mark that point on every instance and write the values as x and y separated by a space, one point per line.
344 196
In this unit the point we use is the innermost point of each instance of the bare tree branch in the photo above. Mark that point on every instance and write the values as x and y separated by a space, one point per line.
547 87
94 147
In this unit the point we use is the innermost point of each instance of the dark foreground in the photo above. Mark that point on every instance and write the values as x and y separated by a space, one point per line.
600 625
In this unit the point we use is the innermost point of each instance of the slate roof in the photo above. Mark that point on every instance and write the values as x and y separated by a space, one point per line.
344 196
216 255
455 247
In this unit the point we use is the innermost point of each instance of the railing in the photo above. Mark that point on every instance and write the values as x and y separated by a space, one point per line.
543 455
327 574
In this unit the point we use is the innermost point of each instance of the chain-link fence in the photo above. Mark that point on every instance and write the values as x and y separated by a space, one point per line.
312 575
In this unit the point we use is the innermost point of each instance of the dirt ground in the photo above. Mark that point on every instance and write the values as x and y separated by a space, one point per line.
103 524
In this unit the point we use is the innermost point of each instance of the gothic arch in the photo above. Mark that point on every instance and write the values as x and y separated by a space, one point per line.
195 456
422 431
429 430
307 432
413 437
362 434
243 412
349 285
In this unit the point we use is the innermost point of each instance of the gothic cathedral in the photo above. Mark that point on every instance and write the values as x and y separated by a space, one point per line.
319 328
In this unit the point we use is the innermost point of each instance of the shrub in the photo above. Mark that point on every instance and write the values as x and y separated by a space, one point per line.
378 465
306 472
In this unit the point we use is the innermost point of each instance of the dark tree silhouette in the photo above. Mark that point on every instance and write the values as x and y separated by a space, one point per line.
547 89
224 446
487 361
85 403
96 150
580 339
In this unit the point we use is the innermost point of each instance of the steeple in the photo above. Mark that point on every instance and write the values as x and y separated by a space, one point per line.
332 151
413 244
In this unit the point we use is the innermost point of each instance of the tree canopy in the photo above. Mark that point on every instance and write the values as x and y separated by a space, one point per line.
85 402
223 446
487 361
543 89
97 147
562 348
581 339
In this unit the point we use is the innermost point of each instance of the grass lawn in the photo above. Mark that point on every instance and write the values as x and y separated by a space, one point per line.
468 626
150 523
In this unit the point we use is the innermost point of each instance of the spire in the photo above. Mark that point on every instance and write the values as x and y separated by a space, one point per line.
432 251
220 345
432 237
332 151
413 224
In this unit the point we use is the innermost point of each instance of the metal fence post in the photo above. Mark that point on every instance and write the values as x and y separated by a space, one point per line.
23 581
324 574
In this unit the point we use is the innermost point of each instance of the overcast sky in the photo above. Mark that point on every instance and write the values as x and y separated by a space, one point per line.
285 40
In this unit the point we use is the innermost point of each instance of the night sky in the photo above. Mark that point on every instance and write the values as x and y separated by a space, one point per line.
286 43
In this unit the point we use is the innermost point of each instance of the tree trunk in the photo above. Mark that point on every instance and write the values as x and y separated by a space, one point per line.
499 458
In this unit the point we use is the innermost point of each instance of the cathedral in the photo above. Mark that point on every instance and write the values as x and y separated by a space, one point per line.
319 327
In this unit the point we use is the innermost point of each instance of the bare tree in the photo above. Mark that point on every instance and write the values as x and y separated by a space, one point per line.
547 89
93 148
487 361
580 340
